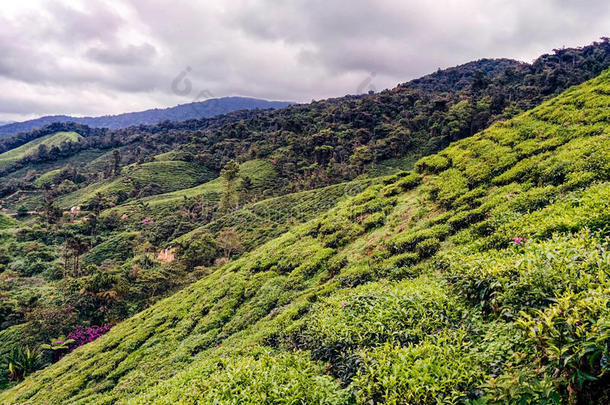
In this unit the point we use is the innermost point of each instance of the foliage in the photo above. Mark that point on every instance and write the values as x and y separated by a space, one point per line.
260 378
40 146
21 362
200 250
439 370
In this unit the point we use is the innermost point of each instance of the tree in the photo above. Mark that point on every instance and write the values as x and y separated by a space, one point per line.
66 186
200 250
229 175
43 152
98 203
107 173
116 159
459 120
230 241
246 188
52 213
362 155
75 247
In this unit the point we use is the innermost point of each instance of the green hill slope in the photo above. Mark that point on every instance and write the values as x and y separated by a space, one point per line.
483 277
261 221
7 222
262 174
159 177
31 147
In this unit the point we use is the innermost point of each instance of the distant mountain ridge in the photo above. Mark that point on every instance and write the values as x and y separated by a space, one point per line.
182 112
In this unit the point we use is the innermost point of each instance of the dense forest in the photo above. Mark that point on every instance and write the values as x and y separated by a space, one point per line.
322 248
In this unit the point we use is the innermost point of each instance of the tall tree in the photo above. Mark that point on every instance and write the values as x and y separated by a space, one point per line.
116 159
229 175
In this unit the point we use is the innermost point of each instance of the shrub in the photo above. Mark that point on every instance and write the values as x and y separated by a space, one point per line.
199 250
432 164
529 275
391 190
465 218
438 370
375 313
82 335
407 241
408 182
263 378
402 259
572 338
355 274
342 236
448 186
22 361
373 220
427 247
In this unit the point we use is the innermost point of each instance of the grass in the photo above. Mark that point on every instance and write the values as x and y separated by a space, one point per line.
13 155
406 292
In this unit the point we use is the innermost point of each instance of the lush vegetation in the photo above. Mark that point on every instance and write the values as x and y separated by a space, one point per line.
480 277
297 259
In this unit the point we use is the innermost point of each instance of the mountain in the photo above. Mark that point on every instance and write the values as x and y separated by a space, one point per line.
182 112
481 277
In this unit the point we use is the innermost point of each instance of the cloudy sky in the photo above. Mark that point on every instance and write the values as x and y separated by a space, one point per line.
94 57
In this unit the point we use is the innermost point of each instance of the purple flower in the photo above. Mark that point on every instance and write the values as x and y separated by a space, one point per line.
82 335
59 342
517 240
342 304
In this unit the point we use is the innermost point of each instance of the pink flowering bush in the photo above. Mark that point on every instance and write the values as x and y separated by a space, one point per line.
81 334
517 240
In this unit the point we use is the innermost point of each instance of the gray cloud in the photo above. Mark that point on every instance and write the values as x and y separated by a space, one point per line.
96 57
128 55
71 25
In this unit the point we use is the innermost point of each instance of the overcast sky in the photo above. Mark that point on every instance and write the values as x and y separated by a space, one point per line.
95 57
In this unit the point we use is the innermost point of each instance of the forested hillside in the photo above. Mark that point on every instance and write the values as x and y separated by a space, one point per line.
323 249
482 276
